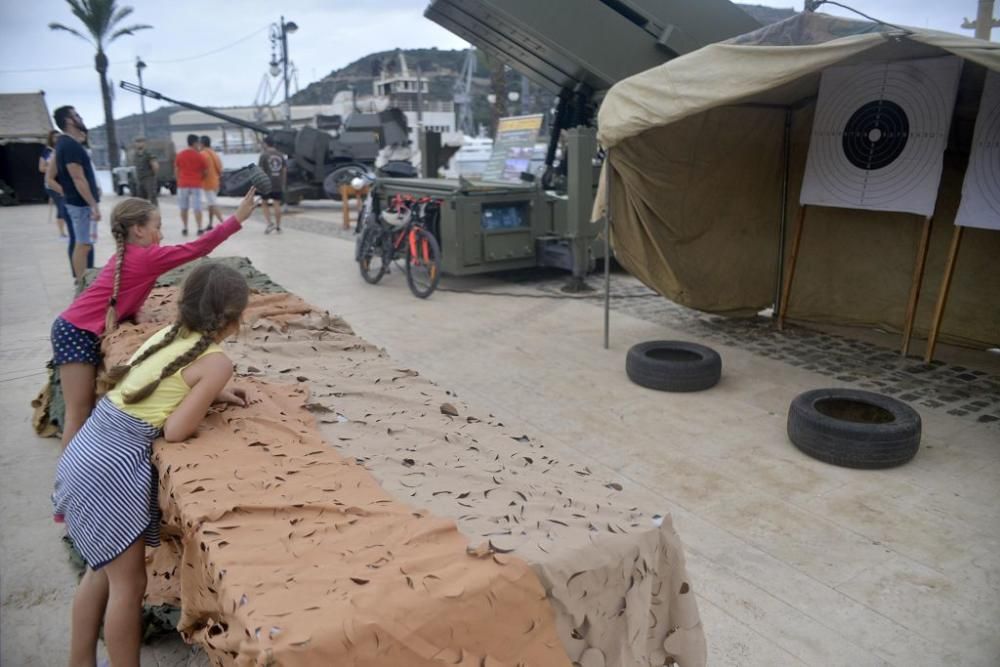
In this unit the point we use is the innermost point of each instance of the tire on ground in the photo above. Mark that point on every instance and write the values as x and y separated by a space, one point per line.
670 365
854 428
340 176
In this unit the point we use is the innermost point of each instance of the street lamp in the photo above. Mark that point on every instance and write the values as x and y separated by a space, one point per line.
279 34
139 66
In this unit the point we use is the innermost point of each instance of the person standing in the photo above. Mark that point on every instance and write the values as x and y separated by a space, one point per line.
146 171
74 173
210 184
190 166
43 166
275 166
53 187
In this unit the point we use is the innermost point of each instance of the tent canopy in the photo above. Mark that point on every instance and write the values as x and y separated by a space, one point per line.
779 64
24 117
707 157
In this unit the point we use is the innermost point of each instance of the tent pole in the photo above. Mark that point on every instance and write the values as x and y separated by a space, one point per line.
784 213
607 248
918 277
949 269
787 289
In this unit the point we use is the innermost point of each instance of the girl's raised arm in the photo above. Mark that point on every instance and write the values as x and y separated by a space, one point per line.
164 258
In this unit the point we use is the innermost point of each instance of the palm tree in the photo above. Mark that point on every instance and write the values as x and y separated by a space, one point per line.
101 18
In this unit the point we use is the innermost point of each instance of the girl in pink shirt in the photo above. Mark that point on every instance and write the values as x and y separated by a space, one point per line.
118 293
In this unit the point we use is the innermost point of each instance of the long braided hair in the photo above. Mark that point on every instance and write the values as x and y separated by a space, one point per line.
212 299
131 212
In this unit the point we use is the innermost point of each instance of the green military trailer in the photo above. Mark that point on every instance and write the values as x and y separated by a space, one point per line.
510 219
487 226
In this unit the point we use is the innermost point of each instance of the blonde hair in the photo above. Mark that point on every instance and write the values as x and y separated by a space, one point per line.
212 299
131 212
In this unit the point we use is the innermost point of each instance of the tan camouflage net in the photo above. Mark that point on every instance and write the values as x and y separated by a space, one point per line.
280 551
285 553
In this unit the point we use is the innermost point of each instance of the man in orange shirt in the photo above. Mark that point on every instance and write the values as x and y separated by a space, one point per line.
190 167
210 184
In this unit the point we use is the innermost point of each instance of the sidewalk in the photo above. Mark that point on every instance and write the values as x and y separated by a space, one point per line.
794 561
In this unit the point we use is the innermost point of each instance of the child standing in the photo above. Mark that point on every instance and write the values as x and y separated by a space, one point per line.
118 293
106 486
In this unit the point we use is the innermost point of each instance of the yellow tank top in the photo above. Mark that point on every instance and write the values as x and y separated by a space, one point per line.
155 409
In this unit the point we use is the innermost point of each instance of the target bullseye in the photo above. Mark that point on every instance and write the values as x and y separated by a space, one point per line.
879 135
876 134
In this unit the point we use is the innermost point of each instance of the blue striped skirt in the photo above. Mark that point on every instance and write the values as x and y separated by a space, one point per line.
106 487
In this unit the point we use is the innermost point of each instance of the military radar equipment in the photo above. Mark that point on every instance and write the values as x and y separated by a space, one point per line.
580 54
315 155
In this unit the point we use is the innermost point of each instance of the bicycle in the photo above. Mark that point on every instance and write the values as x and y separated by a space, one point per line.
400 232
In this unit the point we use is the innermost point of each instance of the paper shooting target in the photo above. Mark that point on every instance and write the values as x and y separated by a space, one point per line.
981 192
879 135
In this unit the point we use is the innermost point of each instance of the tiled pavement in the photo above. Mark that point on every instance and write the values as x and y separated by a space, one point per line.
958 390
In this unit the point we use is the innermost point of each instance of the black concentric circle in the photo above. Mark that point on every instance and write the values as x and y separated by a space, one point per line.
876 134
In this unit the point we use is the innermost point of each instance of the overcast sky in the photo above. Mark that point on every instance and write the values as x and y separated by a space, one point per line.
331 34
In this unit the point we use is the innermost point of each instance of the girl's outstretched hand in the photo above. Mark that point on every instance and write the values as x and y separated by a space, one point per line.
234 396
246 206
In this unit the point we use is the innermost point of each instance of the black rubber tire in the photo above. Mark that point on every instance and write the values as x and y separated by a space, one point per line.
423 291
862 442
368 246
344 173
673 365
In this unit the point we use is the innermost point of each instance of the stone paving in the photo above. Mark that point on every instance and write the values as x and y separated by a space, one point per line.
958 390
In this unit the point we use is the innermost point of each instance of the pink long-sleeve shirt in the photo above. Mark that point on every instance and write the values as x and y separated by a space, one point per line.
141 268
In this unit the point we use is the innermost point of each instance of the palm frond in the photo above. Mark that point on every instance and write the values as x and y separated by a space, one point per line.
120 15
100 17
82 11
131 30
60 26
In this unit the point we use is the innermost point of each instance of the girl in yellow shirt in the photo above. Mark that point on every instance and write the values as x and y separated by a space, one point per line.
106 486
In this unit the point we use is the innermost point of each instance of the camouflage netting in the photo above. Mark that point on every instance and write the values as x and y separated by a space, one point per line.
373 519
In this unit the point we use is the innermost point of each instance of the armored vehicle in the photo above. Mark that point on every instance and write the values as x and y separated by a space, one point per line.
319 160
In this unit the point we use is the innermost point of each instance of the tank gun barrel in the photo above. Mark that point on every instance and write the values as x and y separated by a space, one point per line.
139 90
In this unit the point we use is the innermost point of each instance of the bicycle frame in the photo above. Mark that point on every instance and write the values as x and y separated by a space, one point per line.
408 232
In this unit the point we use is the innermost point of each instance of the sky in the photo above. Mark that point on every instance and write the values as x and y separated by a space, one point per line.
234 35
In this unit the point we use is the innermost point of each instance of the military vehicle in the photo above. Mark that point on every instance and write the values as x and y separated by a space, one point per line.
319 160
123 178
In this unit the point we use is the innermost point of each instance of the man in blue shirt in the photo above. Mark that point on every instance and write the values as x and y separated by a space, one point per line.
75 173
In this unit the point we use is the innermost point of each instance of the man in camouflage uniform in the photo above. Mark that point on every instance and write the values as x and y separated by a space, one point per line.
146 169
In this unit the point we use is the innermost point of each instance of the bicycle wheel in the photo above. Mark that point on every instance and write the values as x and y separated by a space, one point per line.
423 262
371 255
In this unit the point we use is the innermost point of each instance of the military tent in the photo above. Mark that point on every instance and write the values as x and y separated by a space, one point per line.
24 128
707 154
